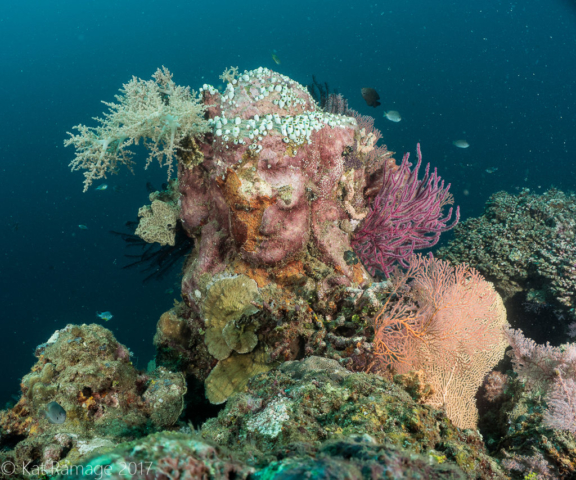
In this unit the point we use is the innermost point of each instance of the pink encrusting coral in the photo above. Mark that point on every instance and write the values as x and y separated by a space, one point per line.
406 216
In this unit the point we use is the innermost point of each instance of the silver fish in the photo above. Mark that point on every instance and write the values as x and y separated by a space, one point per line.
55 413
461 143
393 116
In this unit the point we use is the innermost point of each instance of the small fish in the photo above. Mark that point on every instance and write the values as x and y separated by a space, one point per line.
102 187
461 143
106 316
55 413
169 291
491 169
393 116
371 97
82 227
276 59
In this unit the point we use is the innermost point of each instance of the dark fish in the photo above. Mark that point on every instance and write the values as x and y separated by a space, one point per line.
371 96
55 413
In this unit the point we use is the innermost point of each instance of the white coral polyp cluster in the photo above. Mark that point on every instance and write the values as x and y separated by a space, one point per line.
295 118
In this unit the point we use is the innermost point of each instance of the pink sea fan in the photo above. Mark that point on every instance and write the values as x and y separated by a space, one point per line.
406 216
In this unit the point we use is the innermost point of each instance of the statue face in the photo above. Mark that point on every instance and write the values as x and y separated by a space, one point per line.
269 212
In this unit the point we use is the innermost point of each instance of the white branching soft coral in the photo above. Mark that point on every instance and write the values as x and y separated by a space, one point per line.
157 111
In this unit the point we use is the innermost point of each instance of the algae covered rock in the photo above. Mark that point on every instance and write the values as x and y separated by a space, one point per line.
89 375
317 399
166 455
357 457
186 456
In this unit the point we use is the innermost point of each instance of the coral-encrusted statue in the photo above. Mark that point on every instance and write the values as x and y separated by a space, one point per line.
267 194
272 203
272 189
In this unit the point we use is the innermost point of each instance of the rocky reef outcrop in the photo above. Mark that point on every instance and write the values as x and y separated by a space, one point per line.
103 397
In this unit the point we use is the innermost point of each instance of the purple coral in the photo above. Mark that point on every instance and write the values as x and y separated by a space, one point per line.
406 216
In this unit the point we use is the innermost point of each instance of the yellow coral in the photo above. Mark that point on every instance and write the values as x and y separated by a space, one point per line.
232 374
228 299
158 222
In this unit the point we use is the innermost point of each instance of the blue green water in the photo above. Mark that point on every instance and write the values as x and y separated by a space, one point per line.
500 74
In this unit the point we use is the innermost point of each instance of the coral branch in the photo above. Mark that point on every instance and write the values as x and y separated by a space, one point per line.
157 111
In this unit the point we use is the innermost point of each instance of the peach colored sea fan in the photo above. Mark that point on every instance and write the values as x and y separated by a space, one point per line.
446 321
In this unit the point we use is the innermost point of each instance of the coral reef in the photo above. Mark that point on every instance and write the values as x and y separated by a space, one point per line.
105 399
526 446
308 419
528 413
525 245
316 399
292 208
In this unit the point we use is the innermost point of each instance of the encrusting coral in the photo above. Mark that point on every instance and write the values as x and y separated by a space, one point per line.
158 223
105 399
